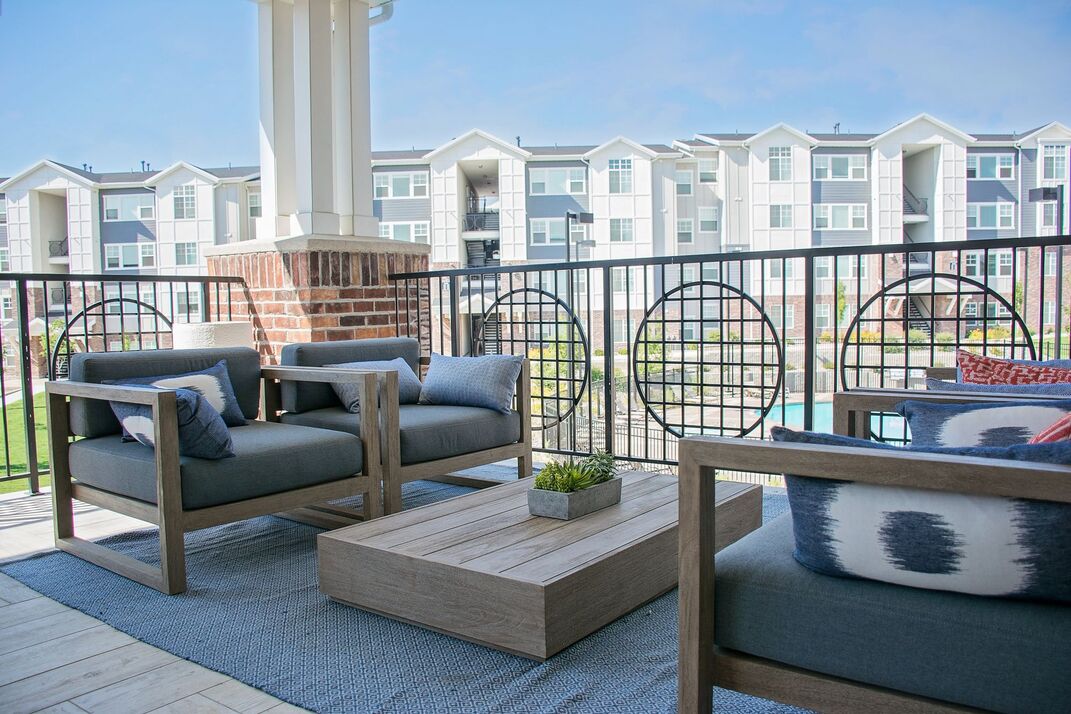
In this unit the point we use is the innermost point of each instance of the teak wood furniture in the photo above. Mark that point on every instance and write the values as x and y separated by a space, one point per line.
168 510
480 568
704 664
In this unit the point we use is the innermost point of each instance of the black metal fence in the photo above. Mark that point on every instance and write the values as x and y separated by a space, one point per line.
46 317
630 355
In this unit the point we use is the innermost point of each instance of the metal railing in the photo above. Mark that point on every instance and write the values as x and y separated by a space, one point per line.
630 355
486 221
58 248
913 205
47 317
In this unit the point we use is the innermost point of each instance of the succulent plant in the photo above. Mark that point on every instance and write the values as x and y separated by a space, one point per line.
575 475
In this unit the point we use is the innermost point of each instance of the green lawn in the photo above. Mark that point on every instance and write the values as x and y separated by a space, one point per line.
15 455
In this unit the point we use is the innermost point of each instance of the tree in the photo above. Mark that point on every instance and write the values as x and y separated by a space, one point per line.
842 302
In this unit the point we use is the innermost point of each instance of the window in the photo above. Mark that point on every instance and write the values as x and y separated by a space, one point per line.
621 230
783 314
113 305
7 308
780 158
1000 265
5 259
708 170
3 212
684 230
120 256
840 168
970 265
408 232
822 315
400 184
619 277
620 175
255 209
1050 263
781 269
684 183
840 216
712 272
970 309
185 199
1054 162
781 215
995 309
1048 214
1049 317
709 219
991 215
557 181
185 254
130 207
990 166
547 230
187 304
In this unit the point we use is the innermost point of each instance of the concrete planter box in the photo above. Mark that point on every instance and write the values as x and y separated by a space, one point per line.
566 506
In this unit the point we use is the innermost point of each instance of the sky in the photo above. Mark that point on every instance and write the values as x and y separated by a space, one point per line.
114 82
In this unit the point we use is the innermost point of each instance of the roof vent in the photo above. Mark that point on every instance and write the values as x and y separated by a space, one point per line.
518 140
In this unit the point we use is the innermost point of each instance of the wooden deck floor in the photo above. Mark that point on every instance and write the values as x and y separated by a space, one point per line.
58 660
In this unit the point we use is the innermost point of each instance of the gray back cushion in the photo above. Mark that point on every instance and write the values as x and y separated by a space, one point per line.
306 396
92 418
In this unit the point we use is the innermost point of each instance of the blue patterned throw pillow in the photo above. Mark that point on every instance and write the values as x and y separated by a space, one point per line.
202 433
937 540
988 424
1052 390
489 381
214 384
349 392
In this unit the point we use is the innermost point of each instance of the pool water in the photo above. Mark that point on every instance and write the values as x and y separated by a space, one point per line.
791 415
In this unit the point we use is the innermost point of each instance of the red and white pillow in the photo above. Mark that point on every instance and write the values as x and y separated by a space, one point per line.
977 369
1060 430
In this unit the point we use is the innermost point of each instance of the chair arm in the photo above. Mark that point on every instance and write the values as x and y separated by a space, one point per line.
852 409
107 392
881 467
320 374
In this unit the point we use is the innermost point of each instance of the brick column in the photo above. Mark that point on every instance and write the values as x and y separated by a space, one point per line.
320 289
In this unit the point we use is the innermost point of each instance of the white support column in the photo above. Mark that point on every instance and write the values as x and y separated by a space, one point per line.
277 159
340 57
364 223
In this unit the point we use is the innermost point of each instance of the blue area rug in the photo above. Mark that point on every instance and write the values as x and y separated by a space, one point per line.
253 611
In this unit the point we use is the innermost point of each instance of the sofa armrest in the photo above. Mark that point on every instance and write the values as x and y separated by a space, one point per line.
852 408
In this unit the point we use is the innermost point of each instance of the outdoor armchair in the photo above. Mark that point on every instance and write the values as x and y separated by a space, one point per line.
276 467
419 441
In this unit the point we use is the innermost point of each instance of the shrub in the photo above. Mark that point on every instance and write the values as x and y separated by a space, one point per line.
622 350
992 334
944 338
917 336
599 352
825 337
569 475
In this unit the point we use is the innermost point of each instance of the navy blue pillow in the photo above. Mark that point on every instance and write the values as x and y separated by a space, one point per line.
202 433
981 545
985 424
214 384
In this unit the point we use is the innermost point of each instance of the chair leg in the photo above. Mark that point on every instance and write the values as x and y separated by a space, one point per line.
524 465
392 491
172 557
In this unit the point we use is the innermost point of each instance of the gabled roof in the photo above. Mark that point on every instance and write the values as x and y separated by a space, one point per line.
559 150
182 165
414 154
781 126
924 117
78 175
844 137
622 140
1041 129
716 138
491 139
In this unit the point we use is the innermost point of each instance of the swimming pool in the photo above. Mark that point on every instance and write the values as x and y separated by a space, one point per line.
791 415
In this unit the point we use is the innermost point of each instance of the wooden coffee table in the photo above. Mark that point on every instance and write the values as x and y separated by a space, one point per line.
479 567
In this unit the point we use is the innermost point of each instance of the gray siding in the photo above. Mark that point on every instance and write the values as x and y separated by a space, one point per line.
988 233
547 252
124 231
554 206
402 209
840 192
835 238
1028 174
992 190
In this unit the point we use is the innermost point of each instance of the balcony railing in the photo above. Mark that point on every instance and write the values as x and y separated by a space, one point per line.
630 355
481 221
58 248
50 316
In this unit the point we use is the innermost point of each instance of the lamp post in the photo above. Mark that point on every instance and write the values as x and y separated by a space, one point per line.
583 219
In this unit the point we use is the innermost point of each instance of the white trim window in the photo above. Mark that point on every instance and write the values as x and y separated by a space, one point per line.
853 267
125 256
779 269
1000 264
970 309
186 253
708 170
1051 260
1048 214
621 230
7 307
780 160
684 231
1049 312
781 215
184 199
709 219
5 258
1054 162
684 182
3 211
988 167
823 316
783 315
840 216
256 208
565 181
400 184
835 167
416 232
991 215
620 175
129 207
188 304
547 231
971 263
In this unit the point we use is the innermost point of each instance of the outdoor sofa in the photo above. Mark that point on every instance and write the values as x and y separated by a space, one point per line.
276 466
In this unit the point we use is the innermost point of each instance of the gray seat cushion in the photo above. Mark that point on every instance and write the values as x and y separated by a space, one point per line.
95 418
306 396
991 653
429 432
269 458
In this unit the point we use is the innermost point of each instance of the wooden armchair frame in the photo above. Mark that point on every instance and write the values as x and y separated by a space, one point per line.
395 474
168 512
702 665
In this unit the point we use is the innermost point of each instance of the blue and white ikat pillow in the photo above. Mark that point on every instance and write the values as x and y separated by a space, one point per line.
937 540
202 433
988 424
